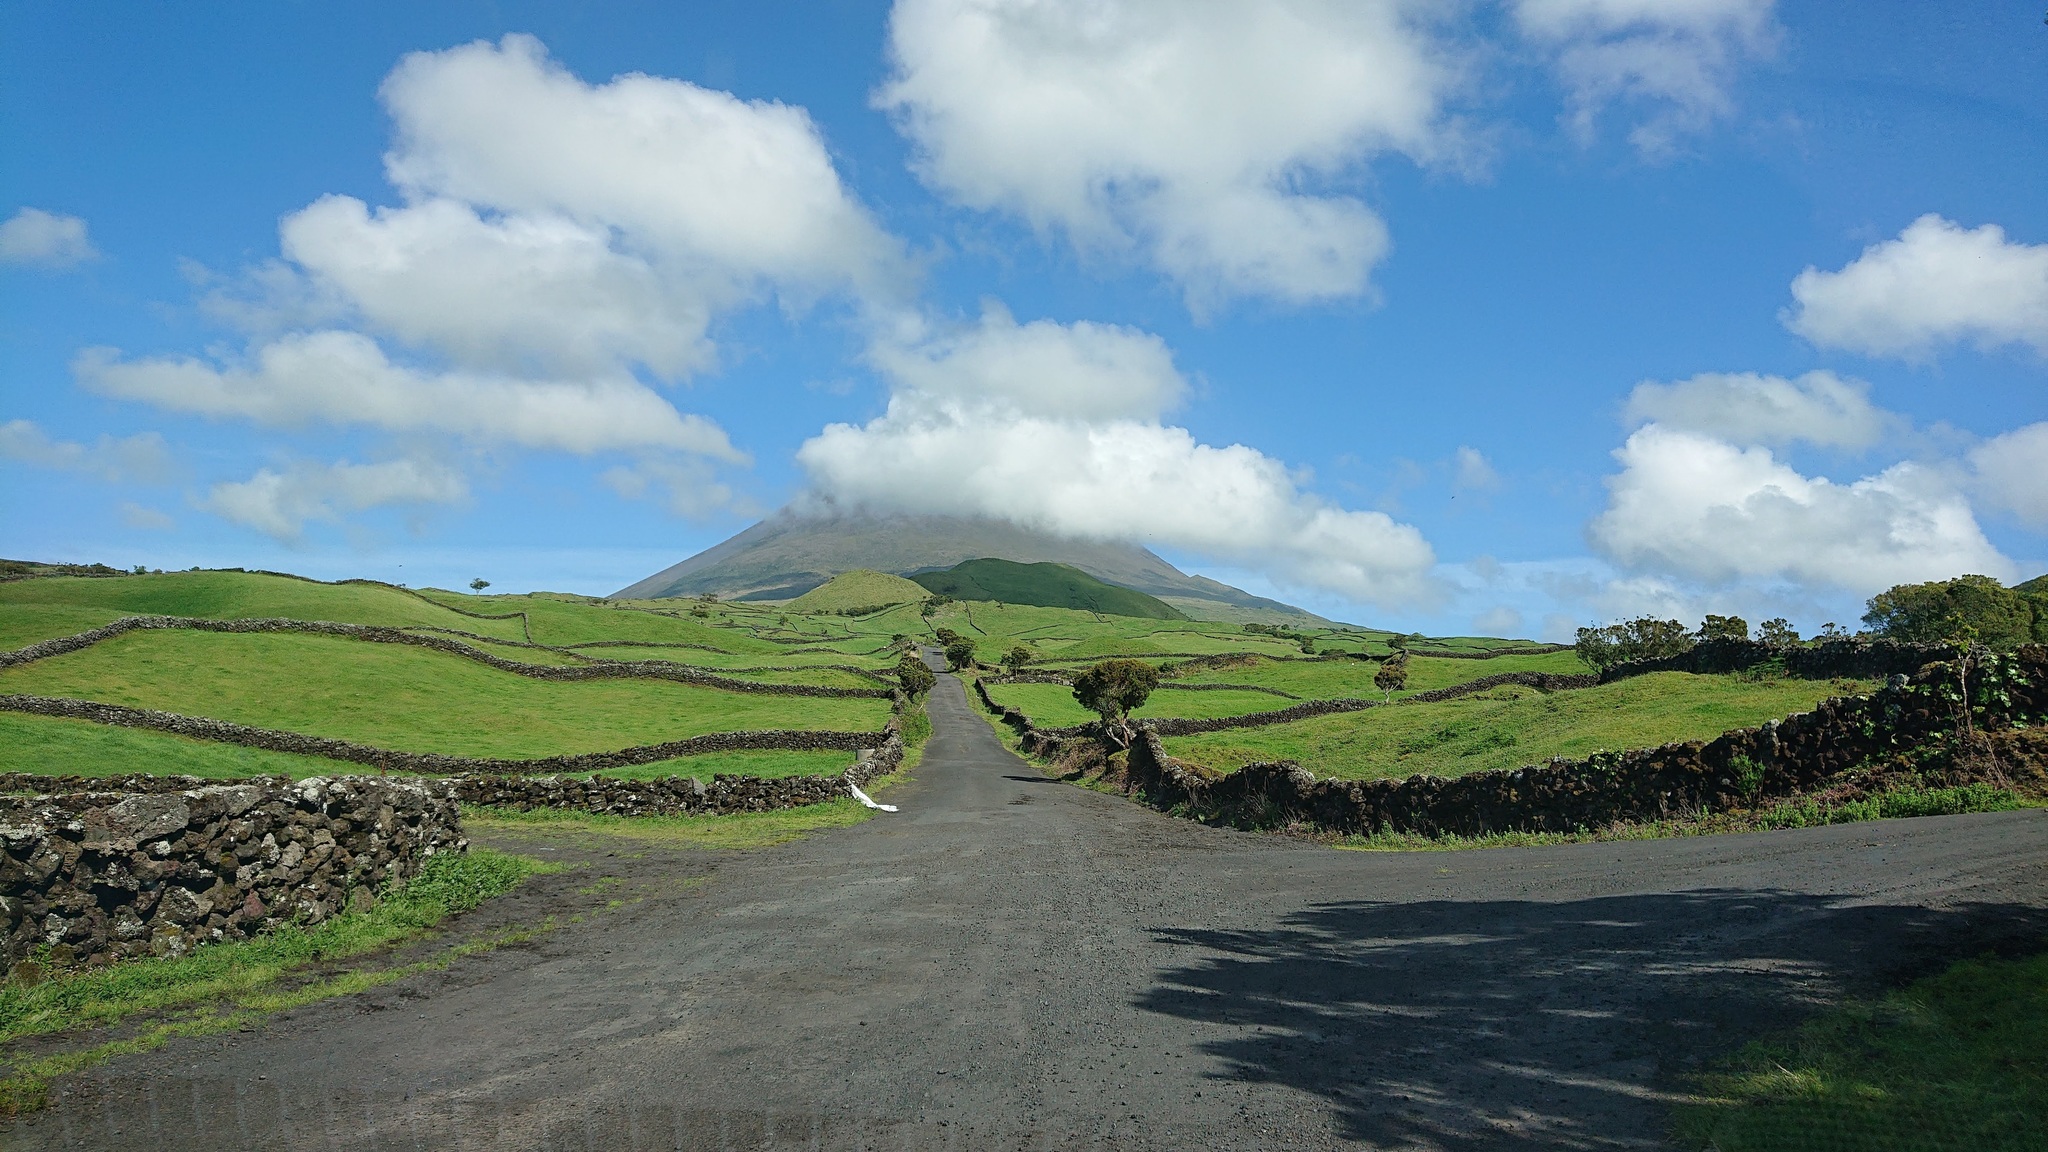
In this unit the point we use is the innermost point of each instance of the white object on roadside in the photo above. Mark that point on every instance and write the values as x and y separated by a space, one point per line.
863 798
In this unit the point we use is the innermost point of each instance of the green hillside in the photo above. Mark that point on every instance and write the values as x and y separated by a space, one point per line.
860 588
2037 587
1045 585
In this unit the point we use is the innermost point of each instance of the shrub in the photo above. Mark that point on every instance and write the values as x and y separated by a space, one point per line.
1113 689
1016 658
1644 638
915 678
1723 628
960 654
1392 676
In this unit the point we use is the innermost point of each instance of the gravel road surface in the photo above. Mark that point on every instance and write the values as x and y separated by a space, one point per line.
1010 962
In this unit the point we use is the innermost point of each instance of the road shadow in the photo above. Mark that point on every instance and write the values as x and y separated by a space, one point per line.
1520 1024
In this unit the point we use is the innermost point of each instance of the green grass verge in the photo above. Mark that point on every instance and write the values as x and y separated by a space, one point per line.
1513 726
223 986
1904 802
411 699
1953 1061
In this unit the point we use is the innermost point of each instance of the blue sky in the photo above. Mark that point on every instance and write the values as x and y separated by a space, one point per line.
1504 317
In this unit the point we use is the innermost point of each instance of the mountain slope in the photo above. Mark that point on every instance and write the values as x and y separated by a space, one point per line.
788 554
1046 585
860 588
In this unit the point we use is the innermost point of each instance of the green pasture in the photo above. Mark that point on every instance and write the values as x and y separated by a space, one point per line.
1512 726
1951 1062
56 746
228 596
410 699
1053 706
1329 679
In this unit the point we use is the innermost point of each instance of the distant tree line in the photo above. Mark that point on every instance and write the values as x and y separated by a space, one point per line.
1962 611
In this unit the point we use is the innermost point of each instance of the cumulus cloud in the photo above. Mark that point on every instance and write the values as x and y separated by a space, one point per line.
279 504
344 378
1673 60
1055 427
44 239
142 458
1082 370
1749 408
721 187
1937 284
1697 507
2012 473
1191 135
511 293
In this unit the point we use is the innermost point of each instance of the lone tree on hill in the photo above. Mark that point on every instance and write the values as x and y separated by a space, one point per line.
1016 658
479 584
1392 676
1114 689
914 676
960 654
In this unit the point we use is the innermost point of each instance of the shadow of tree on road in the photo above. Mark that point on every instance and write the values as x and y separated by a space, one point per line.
1523 1024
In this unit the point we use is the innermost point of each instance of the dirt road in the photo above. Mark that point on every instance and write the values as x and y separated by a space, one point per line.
1014 963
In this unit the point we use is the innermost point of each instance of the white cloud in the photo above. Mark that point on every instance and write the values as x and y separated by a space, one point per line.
1500 620
1474 471
149 519
1082 370
344 378
2012 473
1675 59
1700 508
513 293
1936 284
1748 408
687 487
1190 133
142 458
279 504
717 187
46 239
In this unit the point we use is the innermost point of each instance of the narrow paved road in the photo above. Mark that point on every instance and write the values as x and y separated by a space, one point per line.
1014 963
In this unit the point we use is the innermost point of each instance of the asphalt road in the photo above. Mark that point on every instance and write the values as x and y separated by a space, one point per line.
1014 963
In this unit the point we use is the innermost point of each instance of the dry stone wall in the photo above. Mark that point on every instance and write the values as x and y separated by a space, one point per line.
1852 659
97 876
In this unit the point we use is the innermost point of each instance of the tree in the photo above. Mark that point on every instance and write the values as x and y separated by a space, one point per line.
916 678
1644 638
1016 658
479 584
1392 676
946 636
960 654
1777 632
1723 628
1113 689
1967 609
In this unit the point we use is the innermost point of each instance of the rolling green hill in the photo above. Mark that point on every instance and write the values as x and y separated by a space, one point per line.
860 588
1046 585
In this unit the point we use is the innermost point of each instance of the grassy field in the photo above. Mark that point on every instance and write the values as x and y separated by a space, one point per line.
1510 727
1053 706
1328 679
859 589
407 698
58 605
1953 1061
